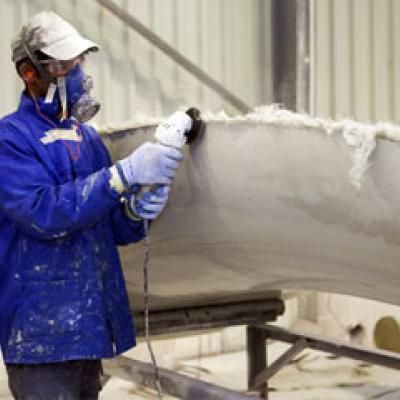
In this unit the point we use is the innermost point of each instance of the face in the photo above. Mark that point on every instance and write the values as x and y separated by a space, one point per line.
37 85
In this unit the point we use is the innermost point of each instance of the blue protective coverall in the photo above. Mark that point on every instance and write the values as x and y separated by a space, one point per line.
62 291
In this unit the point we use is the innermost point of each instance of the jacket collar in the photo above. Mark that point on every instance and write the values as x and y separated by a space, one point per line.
50 110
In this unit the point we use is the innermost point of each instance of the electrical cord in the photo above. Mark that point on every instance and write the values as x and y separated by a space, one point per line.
146 305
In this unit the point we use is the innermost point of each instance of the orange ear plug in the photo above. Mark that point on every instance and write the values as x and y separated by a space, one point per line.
28 75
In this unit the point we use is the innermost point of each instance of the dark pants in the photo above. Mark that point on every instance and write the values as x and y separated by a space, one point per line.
69 380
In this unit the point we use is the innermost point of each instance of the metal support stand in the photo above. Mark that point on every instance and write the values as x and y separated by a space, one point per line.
256 360
200 318
254 314
259 373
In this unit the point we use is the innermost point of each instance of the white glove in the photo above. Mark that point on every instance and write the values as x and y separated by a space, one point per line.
151 203
150 164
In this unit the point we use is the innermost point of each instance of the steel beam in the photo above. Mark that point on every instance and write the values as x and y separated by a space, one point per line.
291 54
379 357
172 383
277 365
303 56
210 317
256 359
284 52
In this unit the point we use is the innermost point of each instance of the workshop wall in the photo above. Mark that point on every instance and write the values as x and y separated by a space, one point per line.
229 39
356 59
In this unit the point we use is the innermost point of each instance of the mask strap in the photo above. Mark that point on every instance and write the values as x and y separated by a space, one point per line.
51 91
62 91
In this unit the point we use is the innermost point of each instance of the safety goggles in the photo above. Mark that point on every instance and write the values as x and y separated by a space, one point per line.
61 67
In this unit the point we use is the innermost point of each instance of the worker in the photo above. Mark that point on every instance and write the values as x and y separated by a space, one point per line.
63 300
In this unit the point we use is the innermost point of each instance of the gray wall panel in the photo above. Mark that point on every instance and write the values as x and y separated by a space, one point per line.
356 59
132 77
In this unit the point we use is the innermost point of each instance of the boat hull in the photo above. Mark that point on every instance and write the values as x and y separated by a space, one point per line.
258 208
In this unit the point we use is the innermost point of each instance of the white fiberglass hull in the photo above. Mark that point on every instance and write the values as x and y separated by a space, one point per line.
258 207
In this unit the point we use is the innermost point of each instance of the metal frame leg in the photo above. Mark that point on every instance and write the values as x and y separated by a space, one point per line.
256 358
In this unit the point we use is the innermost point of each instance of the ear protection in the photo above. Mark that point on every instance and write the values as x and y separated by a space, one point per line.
28 75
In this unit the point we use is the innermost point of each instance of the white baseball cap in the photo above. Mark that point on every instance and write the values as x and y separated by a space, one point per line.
53 36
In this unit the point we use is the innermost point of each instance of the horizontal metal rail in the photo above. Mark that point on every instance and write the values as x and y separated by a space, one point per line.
172 383
181 60
210 317
379 357
259 372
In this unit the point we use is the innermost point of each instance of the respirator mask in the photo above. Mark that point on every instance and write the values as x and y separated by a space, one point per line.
69 85
72 89
74 94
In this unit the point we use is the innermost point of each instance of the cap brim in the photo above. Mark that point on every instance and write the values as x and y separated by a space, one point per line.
70 47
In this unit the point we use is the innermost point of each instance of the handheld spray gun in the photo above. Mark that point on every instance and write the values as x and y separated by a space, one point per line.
176 131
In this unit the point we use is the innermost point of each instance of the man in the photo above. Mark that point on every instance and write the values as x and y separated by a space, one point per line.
63 301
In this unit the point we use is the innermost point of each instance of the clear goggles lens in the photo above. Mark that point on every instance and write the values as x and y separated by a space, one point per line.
61 67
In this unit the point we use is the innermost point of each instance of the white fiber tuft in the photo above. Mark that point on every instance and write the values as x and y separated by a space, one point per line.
361 137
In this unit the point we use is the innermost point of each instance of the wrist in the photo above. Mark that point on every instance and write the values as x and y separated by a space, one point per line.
116 182
122 176
130 212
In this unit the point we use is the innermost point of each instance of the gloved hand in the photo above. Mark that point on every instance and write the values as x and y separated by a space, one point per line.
180 128
151 203
150 164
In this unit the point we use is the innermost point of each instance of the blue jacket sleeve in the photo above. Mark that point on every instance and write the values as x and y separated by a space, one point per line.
31 198
125 229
